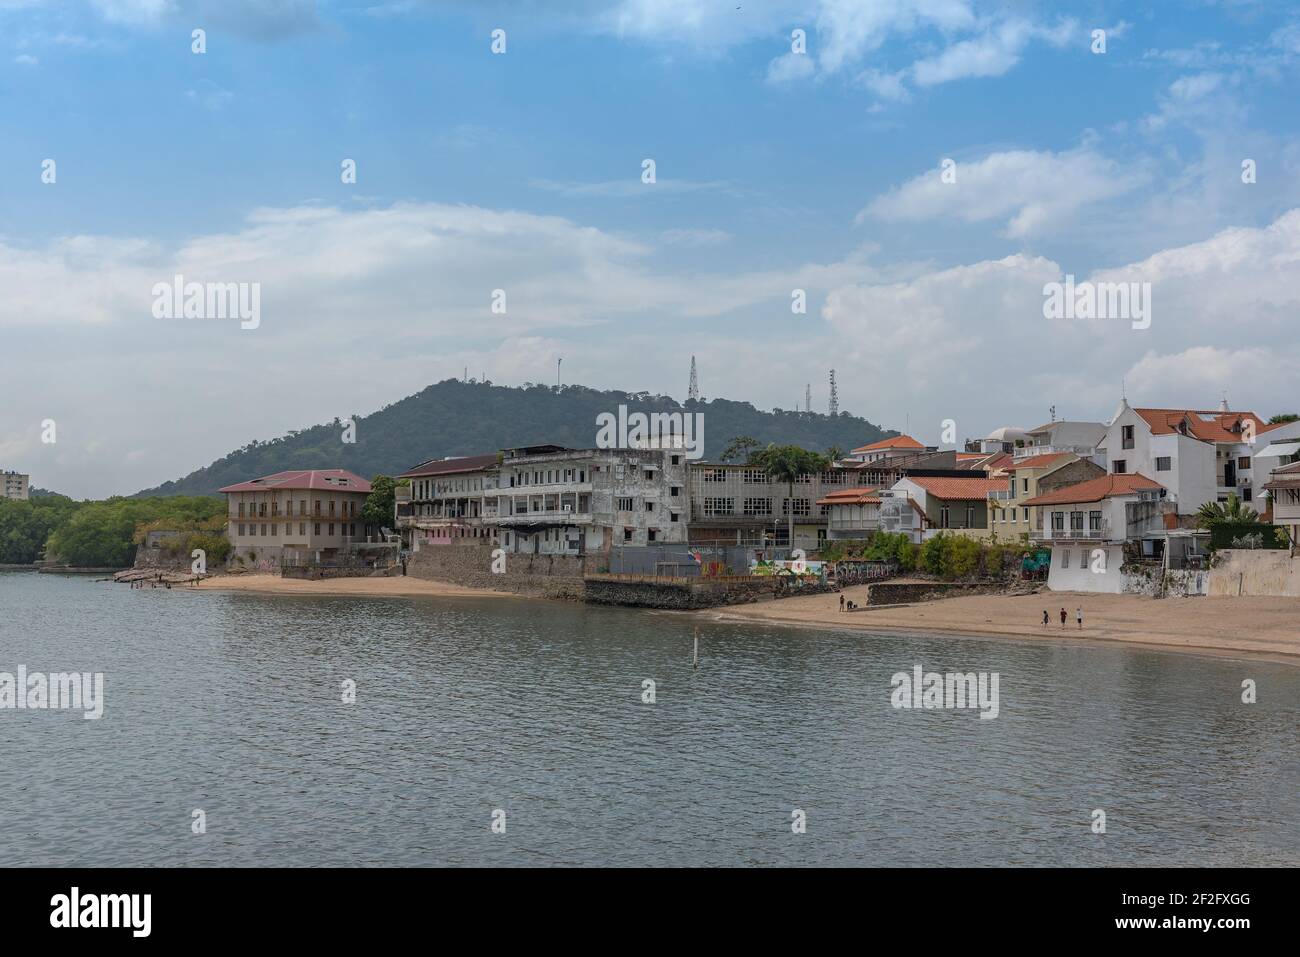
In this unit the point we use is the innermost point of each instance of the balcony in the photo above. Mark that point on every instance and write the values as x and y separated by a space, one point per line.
550 516
1072 534
1001 495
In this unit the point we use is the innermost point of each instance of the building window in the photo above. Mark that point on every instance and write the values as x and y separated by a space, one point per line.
649 506
315 528
1076 521
675 491
241 511
943 517
624 505
302 528
1245 493
756 506
1024 485
674 516
719 506
627 534
1024 514
754 477
801 506
241 530
1058 521
331 529
1065 558
677 460
1243 462
1163 463
650 534
1094 521
1120 467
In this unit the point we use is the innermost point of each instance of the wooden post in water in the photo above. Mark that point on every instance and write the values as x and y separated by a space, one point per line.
695 663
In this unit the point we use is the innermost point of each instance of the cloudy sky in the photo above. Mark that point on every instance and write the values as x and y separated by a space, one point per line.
775 170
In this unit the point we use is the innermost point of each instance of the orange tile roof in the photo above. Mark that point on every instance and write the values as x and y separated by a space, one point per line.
1001 462
896 442
851 496
1217 428
335 480
1094 490
975 487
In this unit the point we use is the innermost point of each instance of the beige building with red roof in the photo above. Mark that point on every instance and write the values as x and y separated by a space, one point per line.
1026 478
302 515
894 447
957 503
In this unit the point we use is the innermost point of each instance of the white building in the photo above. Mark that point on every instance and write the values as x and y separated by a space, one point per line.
887 450
1077 438
1199 456
448 501
559 501
851 513
1086 526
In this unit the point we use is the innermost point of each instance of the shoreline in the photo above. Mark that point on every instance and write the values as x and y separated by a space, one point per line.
1256 628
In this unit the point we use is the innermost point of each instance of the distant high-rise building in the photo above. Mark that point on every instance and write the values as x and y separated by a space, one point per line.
16 485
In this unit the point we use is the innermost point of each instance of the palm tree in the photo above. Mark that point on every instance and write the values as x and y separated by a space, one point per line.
1232 511
785 463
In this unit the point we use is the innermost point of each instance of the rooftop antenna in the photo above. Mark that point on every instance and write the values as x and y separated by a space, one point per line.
1053 411
693 390
835 396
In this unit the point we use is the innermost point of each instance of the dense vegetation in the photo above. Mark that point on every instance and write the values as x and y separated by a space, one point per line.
947 556
25 526
103 533
470 418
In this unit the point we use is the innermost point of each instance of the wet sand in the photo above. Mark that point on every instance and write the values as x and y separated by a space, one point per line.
1268 627
400 587
1256 627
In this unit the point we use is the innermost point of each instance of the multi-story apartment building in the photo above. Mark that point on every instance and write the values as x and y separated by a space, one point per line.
554 500
449 500
16 485
1199 456
308 515
1078 438
1026 478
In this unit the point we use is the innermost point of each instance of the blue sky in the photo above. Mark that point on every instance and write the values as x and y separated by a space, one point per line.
521 171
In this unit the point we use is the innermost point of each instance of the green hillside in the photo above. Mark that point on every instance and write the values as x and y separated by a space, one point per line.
465 418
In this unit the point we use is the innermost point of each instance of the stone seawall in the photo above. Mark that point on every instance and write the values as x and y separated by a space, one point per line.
542 576
678 595
1239 571
902 593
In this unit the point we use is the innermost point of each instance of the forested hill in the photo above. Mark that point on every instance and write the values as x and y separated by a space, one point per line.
466 418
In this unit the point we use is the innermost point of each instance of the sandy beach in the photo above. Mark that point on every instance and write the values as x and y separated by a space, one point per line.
368 587
1268 627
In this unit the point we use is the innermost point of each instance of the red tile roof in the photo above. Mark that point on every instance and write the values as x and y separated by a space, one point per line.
975 487
339 480
1288 476
896 442
851 496
1003 461
464 463
1094 490
1204 424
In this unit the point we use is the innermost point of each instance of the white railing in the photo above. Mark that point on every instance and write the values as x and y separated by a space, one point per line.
1002 495
1072 534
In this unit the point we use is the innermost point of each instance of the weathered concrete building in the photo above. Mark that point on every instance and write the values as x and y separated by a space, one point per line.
449 501
554 500
16 485
311 515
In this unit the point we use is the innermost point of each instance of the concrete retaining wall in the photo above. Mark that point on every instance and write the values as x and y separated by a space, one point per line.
544 576
899 593
1240 571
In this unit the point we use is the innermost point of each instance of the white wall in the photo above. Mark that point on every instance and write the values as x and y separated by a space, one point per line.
1080 575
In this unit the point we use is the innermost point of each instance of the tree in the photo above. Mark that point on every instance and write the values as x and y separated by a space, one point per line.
379 509
1231 511
834 453
1282 417
785 463
740 448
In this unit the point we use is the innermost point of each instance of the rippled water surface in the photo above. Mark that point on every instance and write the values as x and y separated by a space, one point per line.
231 703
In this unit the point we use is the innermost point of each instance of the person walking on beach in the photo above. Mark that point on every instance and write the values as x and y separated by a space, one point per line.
1064 617
841 601
1078 613
1045 618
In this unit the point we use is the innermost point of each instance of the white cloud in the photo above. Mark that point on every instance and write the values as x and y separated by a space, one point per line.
1034 192
992 53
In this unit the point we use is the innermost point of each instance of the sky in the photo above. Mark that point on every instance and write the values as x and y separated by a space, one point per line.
923 170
